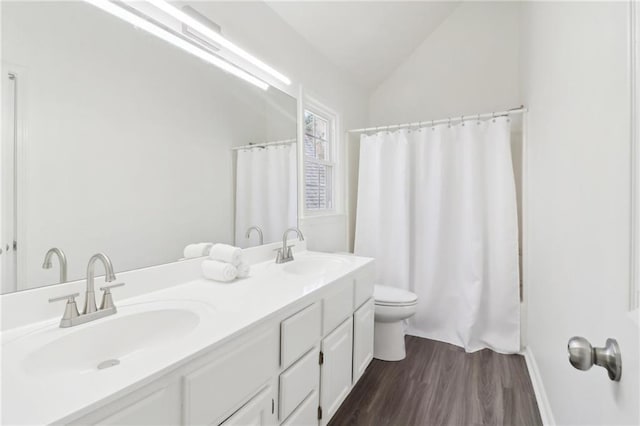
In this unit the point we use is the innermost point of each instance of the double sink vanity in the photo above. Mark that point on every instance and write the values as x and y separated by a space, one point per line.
284 346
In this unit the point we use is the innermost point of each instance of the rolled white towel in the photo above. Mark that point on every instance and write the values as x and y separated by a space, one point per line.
219 271
243 269
226 253
196 250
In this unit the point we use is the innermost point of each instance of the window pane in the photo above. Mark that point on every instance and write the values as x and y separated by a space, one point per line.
320 128
321 150
308 123
318 195
309 146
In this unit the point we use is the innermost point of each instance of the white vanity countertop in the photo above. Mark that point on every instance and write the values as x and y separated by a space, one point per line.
217 312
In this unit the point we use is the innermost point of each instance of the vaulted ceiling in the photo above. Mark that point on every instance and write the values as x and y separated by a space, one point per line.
367 39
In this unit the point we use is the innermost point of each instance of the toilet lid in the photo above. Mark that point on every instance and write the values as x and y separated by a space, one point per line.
393 296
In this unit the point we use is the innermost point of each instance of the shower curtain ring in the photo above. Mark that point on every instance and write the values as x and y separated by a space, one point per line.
449 122
462 120
493 115
478 118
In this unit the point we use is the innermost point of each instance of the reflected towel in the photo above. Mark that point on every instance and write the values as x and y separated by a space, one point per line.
243 269
197 250
219 271
226 253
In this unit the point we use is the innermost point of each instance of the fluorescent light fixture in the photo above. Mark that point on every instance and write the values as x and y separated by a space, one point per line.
151 28
206 31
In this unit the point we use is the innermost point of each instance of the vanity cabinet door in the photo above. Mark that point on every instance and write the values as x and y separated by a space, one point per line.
306 414
335 375
259 411
363 321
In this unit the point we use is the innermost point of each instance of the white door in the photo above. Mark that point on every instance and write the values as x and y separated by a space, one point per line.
259 411
335 376
577 216
363 322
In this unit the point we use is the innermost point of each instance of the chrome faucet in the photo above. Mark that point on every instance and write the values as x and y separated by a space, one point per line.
258 230
71 315
285 254
62 260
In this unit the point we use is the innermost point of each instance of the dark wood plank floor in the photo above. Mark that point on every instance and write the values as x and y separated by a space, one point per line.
440 384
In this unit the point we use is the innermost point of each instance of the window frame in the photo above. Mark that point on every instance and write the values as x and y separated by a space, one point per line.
332 118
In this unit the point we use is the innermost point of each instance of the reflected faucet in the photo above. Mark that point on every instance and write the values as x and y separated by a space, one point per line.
62 260
259 230
285 254
90 297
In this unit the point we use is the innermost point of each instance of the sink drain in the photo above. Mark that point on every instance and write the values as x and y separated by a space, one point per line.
108 363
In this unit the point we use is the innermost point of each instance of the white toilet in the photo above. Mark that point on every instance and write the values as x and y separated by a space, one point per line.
392 307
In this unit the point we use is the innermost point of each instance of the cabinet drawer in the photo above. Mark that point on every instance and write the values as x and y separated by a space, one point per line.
299 333
363 287
298 382
218 388
306 414
337 305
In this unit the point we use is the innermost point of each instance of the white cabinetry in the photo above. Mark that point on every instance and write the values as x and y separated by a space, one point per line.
363 321
299 333
336 369
259 411
298 382
295 368
306 414
156 404
227 378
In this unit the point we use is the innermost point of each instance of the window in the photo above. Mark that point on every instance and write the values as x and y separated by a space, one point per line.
319 161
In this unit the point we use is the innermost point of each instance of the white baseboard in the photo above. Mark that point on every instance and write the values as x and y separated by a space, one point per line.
538 388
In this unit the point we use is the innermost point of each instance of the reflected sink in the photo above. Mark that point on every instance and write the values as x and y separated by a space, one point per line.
313 265
106 343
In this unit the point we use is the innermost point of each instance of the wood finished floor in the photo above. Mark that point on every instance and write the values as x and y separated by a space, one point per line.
440 384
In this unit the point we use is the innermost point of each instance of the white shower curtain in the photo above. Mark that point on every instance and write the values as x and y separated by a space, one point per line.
437 209
266 192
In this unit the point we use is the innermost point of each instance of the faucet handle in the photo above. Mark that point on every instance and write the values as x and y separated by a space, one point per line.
107 288
70 309
107 297
68 298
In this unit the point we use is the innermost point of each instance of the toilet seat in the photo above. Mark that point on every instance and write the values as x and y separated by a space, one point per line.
391 296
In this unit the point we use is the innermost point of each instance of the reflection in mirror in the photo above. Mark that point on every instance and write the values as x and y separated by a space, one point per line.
121 143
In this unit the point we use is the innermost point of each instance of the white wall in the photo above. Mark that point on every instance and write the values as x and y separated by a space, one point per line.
127 148
575 84
469 64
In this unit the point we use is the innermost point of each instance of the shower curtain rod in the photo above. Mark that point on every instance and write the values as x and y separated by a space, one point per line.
518 110
262 145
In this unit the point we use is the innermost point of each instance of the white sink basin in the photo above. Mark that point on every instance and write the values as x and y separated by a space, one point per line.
105 343
313 265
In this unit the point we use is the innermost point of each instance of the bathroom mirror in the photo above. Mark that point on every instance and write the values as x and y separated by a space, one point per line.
115 141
